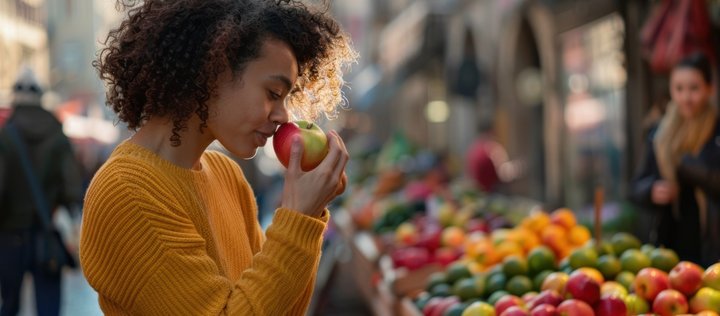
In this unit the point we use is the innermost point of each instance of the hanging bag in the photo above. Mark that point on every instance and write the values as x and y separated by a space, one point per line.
50 251
674 29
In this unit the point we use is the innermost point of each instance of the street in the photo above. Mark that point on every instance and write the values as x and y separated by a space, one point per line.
79 299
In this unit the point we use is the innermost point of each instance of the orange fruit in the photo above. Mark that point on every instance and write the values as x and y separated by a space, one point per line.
579 235
453 237
508 248
555 237
526 238
563 217
538 220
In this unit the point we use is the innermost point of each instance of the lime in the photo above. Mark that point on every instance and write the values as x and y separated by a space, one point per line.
422 299
457 271
609 266
455 309
495 296
634 260
624 241
625 278
564 264
441 289
514 265
479 281
540 259
604 249
465 289
435 279
663 259
519 285
583 257
647 249
495 282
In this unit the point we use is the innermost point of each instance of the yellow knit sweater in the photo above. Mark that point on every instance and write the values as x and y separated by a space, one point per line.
158 239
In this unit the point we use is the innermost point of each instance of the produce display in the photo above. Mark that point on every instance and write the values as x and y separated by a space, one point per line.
491 254
618 277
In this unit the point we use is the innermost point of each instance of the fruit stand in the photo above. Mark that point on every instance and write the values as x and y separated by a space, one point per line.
451 250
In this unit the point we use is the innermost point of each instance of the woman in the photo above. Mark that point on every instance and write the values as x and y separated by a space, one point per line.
680 177
171 228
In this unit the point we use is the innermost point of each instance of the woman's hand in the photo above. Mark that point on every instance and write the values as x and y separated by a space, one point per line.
663 192
310 192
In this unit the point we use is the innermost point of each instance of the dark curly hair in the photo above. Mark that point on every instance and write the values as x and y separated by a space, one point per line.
165 57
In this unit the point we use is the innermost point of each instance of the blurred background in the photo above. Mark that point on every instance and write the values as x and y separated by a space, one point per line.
567 89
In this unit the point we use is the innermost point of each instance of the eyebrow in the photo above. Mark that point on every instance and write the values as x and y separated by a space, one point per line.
285 81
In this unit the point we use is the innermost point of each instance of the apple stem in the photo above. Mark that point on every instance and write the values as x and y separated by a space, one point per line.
309 126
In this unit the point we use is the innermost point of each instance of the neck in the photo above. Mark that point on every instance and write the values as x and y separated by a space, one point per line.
155 136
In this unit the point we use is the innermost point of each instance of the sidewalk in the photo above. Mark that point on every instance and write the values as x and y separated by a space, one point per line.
79 299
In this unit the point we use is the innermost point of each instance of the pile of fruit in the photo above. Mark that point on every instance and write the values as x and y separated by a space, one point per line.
548 265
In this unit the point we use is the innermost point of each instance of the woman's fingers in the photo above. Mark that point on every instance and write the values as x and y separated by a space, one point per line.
296 151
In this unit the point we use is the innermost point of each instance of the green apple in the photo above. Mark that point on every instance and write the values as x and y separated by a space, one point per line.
636 305
706 299
711 277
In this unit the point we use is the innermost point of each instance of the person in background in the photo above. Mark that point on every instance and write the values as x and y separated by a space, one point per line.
485 159
679 180
56 171
170 227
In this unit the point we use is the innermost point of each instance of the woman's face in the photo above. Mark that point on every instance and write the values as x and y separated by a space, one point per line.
690 91
249 109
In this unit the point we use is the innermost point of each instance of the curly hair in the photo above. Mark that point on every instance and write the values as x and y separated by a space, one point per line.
165 58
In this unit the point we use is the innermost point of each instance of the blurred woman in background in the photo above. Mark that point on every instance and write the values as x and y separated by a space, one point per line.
680 177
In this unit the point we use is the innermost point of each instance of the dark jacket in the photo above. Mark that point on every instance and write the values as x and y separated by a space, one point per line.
684 234
53 160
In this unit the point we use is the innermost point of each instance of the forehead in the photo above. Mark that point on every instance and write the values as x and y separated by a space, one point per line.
686 74
276 59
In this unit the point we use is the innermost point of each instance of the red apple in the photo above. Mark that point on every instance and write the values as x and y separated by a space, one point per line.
546 297
314 141
515 311
544 310
611 306
506 302
476 225
582 287
446 255
574 307
649 282
706 299
443 305
686 277
711 277
670 302
529 297
410 257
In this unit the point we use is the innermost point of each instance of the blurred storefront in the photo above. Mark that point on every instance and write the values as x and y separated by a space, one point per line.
23 41
564 82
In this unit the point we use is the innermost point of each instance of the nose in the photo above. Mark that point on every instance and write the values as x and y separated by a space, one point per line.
279 114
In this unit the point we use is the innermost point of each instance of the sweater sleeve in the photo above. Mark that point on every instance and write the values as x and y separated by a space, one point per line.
146 258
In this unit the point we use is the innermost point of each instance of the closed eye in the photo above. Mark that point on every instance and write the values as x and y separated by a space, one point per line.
273 95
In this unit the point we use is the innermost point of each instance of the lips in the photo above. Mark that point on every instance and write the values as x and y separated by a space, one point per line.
262 138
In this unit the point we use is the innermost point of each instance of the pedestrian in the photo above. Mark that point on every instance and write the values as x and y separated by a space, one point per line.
679 180
38 173
484 160
170 227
